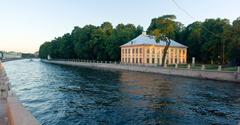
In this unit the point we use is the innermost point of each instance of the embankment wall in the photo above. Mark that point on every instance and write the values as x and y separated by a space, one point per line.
202 74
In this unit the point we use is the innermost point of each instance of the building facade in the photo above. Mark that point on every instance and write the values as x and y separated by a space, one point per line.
10 55
145 50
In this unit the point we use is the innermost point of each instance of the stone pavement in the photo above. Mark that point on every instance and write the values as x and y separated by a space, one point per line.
3 112
3 96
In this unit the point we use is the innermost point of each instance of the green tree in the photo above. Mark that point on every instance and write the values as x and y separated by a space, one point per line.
214 39
191 36
164 29
234 47
66 48
121 35
81 40
45 49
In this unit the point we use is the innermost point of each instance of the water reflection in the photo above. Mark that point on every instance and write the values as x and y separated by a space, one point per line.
61 95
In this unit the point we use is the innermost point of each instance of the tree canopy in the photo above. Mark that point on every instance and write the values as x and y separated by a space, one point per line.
210 41
91 42
164 28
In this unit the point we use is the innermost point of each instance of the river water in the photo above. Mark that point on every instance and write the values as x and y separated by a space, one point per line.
63 95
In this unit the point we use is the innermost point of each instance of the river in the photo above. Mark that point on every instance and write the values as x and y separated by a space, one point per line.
64 95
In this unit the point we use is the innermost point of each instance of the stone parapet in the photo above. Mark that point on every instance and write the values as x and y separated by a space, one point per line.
17 114
203 74
11 110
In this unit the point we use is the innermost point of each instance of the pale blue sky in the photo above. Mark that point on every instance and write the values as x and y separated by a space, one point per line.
26 24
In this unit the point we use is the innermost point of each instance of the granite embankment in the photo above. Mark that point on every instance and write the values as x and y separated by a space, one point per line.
202 74
9 59
12 112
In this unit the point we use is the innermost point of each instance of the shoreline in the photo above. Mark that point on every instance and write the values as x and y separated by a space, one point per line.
12 59
200 74
12 111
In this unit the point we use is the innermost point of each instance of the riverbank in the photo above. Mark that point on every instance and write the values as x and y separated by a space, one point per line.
11 59
201 74
12 112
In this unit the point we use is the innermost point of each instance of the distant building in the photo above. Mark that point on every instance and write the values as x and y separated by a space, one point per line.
145 50
11 55
1 55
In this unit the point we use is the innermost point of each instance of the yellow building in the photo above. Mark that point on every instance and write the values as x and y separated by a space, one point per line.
144 50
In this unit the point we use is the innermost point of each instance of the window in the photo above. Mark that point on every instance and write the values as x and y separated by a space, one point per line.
133 60
183 52
140 60
128 50
125 59
136 60
133 50
137 50
147 60
153 51
153 60
148 51
123 51
171 61
122 59
140 50
158 60
171 54
128 60
175 60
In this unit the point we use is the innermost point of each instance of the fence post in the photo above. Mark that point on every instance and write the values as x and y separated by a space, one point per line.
188 66
165 65
219 68
203 67
193 61
176 65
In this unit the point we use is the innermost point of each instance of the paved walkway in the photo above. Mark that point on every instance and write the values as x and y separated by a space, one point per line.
3 99
3 111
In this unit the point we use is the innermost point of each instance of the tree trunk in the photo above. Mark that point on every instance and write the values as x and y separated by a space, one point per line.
168 42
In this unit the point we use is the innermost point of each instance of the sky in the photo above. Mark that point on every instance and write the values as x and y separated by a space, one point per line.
26 24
